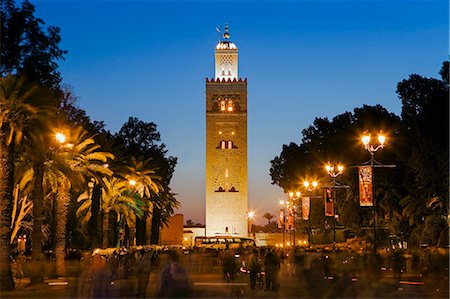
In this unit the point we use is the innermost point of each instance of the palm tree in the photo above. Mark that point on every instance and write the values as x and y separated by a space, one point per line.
116 197
21 101
79 158
268 216
141 174
164 204
22 202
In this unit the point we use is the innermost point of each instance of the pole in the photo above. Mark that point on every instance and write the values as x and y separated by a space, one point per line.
294 225
284 223
374 205
334 213
309 220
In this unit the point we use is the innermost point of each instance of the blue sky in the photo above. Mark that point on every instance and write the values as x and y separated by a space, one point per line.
302 59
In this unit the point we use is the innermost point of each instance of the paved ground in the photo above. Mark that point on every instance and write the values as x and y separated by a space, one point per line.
206 275
212 286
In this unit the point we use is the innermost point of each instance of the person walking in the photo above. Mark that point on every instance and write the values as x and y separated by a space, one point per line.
229 265
174 280
254 266
143 269
271 266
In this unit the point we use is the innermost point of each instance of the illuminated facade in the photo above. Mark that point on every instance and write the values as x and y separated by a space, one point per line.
226 145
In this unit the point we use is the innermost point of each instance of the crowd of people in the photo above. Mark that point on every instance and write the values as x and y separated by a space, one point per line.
317 273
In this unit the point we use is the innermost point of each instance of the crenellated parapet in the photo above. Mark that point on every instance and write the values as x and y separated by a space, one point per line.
225 80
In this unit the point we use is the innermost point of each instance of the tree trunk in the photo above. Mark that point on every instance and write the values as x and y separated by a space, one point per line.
36 234
62 210
156 225
105 229
6 202
94 223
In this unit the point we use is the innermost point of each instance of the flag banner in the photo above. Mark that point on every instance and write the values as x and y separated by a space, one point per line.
329 202
365 186
291 217
305 208
281 218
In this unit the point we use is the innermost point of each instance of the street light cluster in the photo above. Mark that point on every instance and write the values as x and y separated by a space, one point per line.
333 170
366 138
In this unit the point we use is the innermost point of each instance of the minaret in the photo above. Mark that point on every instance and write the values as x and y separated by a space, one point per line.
226 145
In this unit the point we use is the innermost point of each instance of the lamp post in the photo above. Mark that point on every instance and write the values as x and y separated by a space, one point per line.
331 170
294 196
366 138
283 221
310 186
250 216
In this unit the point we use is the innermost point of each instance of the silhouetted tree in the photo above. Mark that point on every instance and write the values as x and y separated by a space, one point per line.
27 47
268 216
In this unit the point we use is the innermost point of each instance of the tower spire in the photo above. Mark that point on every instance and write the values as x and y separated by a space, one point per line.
226 35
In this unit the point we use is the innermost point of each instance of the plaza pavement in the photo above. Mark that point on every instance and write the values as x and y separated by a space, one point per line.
211 285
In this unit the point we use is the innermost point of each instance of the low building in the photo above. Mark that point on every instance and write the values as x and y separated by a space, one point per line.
172 234
190 232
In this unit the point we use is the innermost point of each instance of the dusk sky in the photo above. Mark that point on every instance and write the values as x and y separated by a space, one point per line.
302 59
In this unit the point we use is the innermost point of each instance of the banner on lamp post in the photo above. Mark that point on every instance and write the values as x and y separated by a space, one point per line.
329 202
306 201
290 222
281 218
365 186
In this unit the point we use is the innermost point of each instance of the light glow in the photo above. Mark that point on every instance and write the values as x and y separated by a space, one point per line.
366 139
381 138
132 182
60 137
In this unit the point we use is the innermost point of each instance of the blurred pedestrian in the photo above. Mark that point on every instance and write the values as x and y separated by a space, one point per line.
254 266
271 266
174 280
143 269
100 277
229 265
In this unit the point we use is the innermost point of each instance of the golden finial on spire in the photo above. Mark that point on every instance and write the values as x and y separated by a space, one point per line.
226 35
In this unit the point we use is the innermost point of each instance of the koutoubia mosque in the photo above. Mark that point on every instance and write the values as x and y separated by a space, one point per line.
226 144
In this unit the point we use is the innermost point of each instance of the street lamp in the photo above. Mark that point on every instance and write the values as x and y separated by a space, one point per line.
310 186
371 148
294 196
250 216
334 172
60 137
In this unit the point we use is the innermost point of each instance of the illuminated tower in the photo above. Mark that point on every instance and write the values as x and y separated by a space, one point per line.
226 144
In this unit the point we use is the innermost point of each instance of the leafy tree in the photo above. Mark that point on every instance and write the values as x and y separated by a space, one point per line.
425 119
27 47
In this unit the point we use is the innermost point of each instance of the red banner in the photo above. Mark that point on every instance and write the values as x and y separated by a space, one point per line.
281 218
365 186
305 207
291 217
329 202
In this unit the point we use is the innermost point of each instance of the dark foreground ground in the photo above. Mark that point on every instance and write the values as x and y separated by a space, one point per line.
342 278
